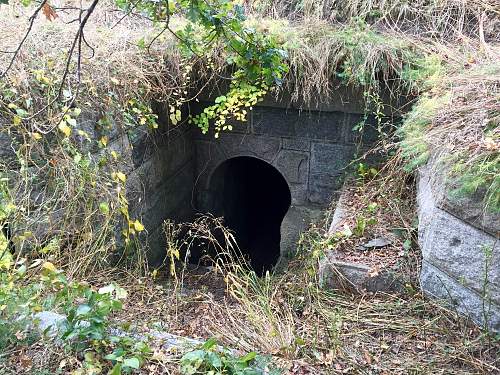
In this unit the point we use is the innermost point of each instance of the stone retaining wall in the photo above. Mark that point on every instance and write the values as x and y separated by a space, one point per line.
311 148
160 184
460 250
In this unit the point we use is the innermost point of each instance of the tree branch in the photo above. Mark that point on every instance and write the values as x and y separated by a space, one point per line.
20 45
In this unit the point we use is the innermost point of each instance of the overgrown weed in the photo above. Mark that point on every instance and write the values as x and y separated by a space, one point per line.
304 326
292 318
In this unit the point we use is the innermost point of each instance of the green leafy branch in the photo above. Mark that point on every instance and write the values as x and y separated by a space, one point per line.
210 359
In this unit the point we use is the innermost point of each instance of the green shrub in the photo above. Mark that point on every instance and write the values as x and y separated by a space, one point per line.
209 359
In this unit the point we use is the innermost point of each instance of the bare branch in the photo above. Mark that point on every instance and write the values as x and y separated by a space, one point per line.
77 43
20 45
167 27
126 14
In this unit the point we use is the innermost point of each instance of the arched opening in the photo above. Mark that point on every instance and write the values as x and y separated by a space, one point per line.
253 197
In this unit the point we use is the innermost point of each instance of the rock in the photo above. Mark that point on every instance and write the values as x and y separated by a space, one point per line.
170 341
295 222
340 212
52 324
357 277
49 322
377 243
468 207
440 285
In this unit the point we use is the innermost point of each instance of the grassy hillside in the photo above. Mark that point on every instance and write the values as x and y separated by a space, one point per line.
427 70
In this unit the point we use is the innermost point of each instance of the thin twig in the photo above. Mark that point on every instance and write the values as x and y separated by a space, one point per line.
20 45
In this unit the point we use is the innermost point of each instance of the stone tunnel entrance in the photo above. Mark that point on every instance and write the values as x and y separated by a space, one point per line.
254 198
270 177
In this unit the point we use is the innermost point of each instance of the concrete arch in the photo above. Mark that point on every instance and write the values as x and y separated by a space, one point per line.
218 162
293 165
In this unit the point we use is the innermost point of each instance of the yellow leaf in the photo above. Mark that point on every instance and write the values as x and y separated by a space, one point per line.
121 176
138 226
51 247
36 136
115 81
104 141
5 255
124 211
173 119
48 266
83 134
64 128
16 120
114 154
4 242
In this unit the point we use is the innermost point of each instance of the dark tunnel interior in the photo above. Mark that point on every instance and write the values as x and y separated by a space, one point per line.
253 197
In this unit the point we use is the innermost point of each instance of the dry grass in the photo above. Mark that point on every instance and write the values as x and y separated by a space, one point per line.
112 58
448 19
55 185
308 330
323 57
457 123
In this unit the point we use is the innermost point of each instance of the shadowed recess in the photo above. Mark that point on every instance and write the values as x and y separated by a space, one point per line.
253 197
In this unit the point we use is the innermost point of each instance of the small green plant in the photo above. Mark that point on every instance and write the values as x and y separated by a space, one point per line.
366 172
360 226
86 328
16 305
365 219
413 131
89 320
87 325
128 355
211 360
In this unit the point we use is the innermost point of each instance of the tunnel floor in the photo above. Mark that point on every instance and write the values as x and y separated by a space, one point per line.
253 197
